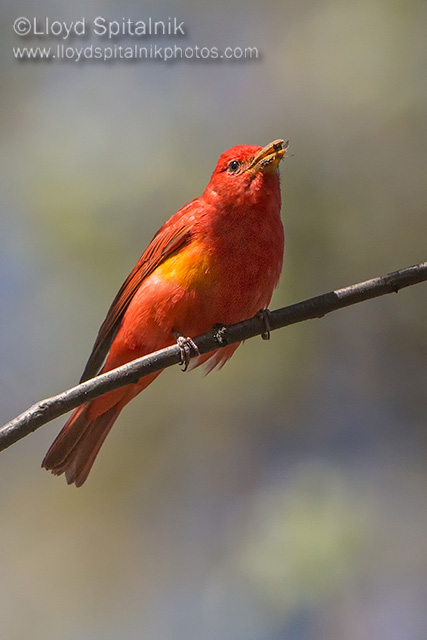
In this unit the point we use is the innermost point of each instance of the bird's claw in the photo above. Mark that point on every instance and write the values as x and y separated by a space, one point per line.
264 315
185 346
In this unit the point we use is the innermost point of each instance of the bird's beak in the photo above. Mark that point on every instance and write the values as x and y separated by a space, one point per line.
267 160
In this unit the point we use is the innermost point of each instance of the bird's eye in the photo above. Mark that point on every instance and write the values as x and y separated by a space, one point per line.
233 166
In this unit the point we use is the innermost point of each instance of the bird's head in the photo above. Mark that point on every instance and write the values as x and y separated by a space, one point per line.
245 173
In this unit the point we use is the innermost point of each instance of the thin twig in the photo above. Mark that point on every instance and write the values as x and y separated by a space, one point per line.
49 409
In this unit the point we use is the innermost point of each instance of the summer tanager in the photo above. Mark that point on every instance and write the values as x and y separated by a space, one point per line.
216 261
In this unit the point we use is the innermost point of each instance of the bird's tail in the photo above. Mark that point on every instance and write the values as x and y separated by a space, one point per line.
74 450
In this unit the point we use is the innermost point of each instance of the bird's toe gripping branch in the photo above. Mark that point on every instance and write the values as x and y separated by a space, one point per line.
264 315
185 346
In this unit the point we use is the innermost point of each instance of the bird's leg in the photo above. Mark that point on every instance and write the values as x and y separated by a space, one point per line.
185 345
264 316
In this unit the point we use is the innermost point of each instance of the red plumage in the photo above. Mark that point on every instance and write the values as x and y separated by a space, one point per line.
216 261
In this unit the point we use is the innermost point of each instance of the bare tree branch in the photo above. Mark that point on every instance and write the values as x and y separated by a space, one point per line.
49 409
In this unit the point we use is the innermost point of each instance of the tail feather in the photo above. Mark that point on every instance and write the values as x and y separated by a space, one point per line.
214 359
74 450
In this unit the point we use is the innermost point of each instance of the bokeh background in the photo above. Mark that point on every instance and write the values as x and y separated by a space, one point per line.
286 496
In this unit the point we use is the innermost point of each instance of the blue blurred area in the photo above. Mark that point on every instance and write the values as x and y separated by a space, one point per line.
286 496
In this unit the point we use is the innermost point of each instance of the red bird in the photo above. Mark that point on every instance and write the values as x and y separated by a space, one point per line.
216 261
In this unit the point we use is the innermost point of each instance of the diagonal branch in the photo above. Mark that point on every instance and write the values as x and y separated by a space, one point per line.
49 409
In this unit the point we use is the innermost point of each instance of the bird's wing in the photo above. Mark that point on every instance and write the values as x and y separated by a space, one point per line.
167 240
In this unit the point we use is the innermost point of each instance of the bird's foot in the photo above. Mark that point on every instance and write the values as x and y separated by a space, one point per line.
264 315
185 346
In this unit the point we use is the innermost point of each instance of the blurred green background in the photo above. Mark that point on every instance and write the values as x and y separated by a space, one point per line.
286 496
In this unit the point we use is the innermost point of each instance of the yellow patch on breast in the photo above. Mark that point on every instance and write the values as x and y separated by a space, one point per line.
190 268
